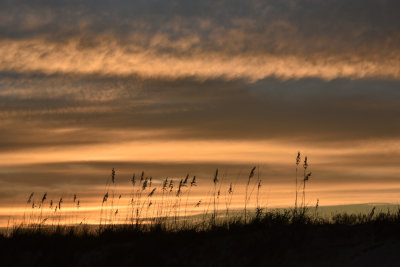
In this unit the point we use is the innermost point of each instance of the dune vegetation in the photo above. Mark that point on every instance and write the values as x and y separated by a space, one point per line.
160 226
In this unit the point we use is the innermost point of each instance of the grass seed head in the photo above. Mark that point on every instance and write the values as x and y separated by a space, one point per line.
30 198
179 188
298 158
133 180
307 177
305 165
145 184
216 177
165 184
44 197
252 172
198 204
152 192
59 203
186 180
105 197
193 183
113 175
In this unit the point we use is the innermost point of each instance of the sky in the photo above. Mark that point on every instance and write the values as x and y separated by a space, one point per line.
177 87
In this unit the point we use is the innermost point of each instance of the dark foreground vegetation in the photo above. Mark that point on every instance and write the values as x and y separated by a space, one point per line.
159 231
276 238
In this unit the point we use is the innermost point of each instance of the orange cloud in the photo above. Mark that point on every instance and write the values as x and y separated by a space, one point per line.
110 58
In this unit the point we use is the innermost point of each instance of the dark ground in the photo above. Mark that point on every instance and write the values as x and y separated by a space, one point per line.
257 244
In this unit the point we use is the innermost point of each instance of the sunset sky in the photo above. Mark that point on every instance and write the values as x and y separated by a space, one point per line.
177 87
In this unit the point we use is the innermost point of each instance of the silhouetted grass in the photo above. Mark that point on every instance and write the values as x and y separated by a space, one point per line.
159 232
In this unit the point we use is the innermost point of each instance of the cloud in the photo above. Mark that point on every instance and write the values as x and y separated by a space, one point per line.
229 39
112 59
57 110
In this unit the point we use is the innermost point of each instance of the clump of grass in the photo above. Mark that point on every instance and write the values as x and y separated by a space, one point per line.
168 202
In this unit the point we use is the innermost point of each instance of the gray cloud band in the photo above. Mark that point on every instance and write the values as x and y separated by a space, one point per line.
99 110
252 39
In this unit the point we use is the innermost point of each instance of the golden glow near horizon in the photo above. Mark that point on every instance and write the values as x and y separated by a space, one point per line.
276 174
171 89
219 151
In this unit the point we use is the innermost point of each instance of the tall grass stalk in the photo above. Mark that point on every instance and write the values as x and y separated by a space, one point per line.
215 192
298 158
246 199
192 183
132 200
111 214
228 201
305 179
